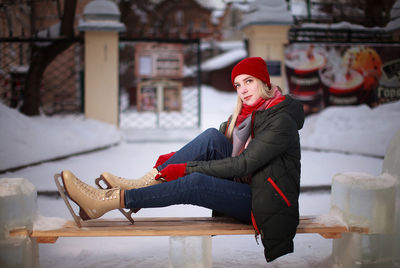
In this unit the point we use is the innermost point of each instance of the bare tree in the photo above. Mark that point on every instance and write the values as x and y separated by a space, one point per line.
42 56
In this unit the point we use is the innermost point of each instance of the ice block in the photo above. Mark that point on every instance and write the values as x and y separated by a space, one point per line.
391 165
366 201
18 204
18 209
190 251
19 252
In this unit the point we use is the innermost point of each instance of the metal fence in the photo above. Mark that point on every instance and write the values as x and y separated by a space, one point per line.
62 87
61 90
322 35
189 113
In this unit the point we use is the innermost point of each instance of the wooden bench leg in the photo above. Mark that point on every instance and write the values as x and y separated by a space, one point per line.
190 251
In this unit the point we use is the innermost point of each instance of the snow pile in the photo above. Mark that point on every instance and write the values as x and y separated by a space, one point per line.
366 181
333 218
48 223
355 129
26 140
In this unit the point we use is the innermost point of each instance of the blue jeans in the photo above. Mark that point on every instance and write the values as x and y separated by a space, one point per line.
225 196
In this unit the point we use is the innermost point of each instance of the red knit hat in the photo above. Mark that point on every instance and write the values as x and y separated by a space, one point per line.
254 66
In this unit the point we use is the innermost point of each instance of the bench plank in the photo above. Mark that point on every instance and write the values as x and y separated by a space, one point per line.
176 226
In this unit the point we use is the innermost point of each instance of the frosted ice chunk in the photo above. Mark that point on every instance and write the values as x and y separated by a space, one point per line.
359 250
18 204
365 200
190 251
391 165
19 252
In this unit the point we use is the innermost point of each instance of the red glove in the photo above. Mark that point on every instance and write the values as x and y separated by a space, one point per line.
163 158
172 172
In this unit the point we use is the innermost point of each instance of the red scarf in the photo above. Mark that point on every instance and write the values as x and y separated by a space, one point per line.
248 109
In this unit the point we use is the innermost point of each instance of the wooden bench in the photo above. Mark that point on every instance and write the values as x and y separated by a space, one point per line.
176 226
193 231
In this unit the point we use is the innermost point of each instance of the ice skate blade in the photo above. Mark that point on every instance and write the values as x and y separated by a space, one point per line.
127 214
78 220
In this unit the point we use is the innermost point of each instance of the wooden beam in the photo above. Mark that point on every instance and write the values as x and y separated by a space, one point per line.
176 226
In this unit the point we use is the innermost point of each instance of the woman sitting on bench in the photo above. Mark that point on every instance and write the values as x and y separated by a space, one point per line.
249 169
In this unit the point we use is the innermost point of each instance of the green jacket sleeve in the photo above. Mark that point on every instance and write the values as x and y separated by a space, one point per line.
272 137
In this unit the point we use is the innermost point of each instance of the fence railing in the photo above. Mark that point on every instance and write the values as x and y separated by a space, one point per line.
61 88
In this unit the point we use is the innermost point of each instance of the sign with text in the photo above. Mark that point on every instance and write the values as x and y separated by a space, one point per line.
159 95
334 74
158 60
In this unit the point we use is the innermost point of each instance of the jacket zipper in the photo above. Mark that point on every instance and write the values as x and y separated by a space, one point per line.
279 191
252 124
257 232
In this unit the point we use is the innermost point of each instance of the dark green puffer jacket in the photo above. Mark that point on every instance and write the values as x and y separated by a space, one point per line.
272 158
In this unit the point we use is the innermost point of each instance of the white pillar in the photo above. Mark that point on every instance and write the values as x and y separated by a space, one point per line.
190 252
101 26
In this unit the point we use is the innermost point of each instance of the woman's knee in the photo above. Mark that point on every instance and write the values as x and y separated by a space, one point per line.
196 179
214 135
211 132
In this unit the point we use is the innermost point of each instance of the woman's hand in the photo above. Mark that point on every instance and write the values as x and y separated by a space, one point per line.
172 172
163 158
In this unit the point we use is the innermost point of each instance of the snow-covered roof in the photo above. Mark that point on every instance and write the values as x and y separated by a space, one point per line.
224 60
218 62
222 45
395 12
339 25
265 12
394 23
229 45
215 15
102 8
101 15
241 6
52 31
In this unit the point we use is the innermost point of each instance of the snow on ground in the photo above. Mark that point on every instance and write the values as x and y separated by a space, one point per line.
26 140
349 129
335 140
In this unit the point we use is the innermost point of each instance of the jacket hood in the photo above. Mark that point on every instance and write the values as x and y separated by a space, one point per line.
295 109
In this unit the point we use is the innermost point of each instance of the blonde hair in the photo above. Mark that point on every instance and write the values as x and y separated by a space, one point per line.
265 93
